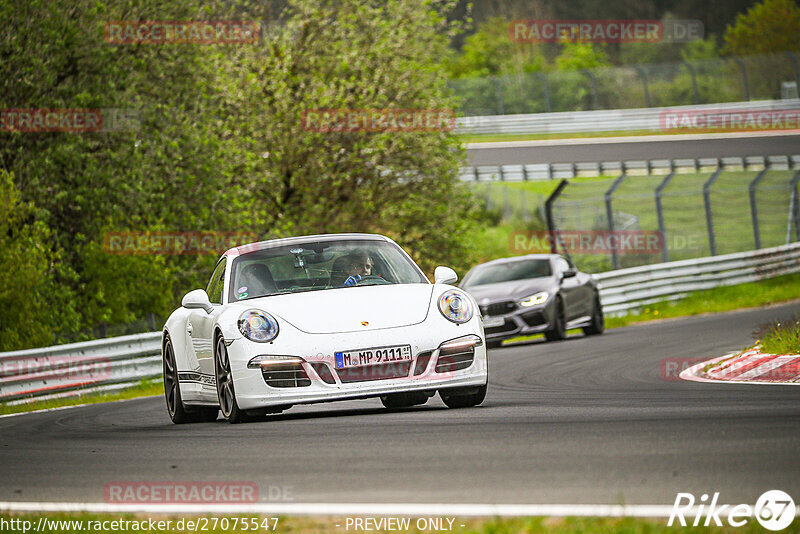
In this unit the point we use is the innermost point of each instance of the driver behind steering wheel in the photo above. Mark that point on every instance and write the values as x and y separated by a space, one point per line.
360 265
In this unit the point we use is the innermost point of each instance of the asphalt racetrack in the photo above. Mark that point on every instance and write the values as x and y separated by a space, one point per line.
642 148
584 421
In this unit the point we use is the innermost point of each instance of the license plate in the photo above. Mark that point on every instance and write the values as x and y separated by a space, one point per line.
492 322
374 356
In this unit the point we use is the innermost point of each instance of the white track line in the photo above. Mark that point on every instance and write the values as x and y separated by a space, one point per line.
626 139
356 509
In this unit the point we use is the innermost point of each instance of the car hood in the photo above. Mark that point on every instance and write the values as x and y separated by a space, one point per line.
346 309
516 289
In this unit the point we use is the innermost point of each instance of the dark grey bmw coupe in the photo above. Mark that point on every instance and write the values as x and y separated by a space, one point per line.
538 293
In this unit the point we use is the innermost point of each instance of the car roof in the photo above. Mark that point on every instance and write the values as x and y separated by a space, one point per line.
300 240
520 258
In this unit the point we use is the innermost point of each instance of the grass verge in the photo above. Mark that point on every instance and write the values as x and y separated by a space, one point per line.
78 522
499 138
145 388
782 337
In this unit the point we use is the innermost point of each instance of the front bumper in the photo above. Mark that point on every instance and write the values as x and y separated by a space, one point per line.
522 322
316 379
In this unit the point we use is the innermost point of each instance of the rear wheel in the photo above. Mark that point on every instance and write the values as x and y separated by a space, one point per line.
463 397
225 390
598 324
559 329
404 400
178 412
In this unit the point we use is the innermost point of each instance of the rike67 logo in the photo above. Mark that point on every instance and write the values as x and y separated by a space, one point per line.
774 510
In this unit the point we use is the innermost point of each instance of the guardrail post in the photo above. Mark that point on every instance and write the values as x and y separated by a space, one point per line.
524 173
754 207
548 211
793 59
794 211
593 86
695 95
610 216
743 70
501 173
475 171
712 244
545 90
660 214
643 76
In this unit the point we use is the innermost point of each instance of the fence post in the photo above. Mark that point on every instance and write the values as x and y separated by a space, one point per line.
712 244
794 211
743 70
545 90
498 91
754 207
610 217
548 211
660 213
643 76
507 204
793 59
695 95
593 86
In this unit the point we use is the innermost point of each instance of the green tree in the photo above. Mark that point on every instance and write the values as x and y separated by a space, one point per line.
768 27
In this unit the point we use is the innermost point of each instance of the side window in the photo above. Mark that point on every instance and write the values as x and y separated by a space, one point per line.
216 284
561 265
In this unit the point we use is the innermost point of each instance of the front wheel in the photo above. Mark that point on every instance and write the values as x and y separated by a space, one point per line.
225 390
559 329
598 324
463 397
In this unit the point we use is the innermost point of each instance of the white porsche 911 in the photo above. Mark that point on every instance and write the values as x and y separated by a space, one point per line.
316 319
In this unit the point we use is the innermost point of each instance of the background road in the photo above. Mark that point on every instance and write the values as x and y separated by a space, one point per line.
591 150
587 420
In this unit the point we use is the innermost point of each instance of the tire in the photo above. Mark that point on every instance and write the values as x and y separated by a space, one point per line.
178 412
404 400
598 324
463 397
559 330
225 389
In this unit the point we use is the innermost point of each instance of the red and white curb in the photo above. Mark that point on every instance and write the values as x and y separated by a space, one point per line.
749 367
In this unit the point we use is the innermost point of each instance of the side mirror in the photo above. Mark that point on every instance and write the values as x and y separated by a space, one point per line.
569 273
444 275
197 300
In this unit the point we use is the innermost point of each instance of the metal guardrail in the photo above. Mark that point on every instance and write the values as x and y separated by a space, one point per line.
557 171
102 364
627 289
612 120
77 366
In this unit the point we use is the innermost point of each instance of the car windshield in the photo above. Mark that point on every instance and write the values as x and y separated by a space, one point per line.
315 266
507 272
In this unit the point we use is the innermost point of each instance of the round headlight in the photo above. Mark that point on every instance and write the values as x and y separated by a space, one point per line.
455 306
258 326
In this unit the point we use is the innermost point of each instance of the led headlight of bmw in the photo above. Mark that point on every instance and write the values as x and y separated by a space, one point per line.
455 306
534 300
258 326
